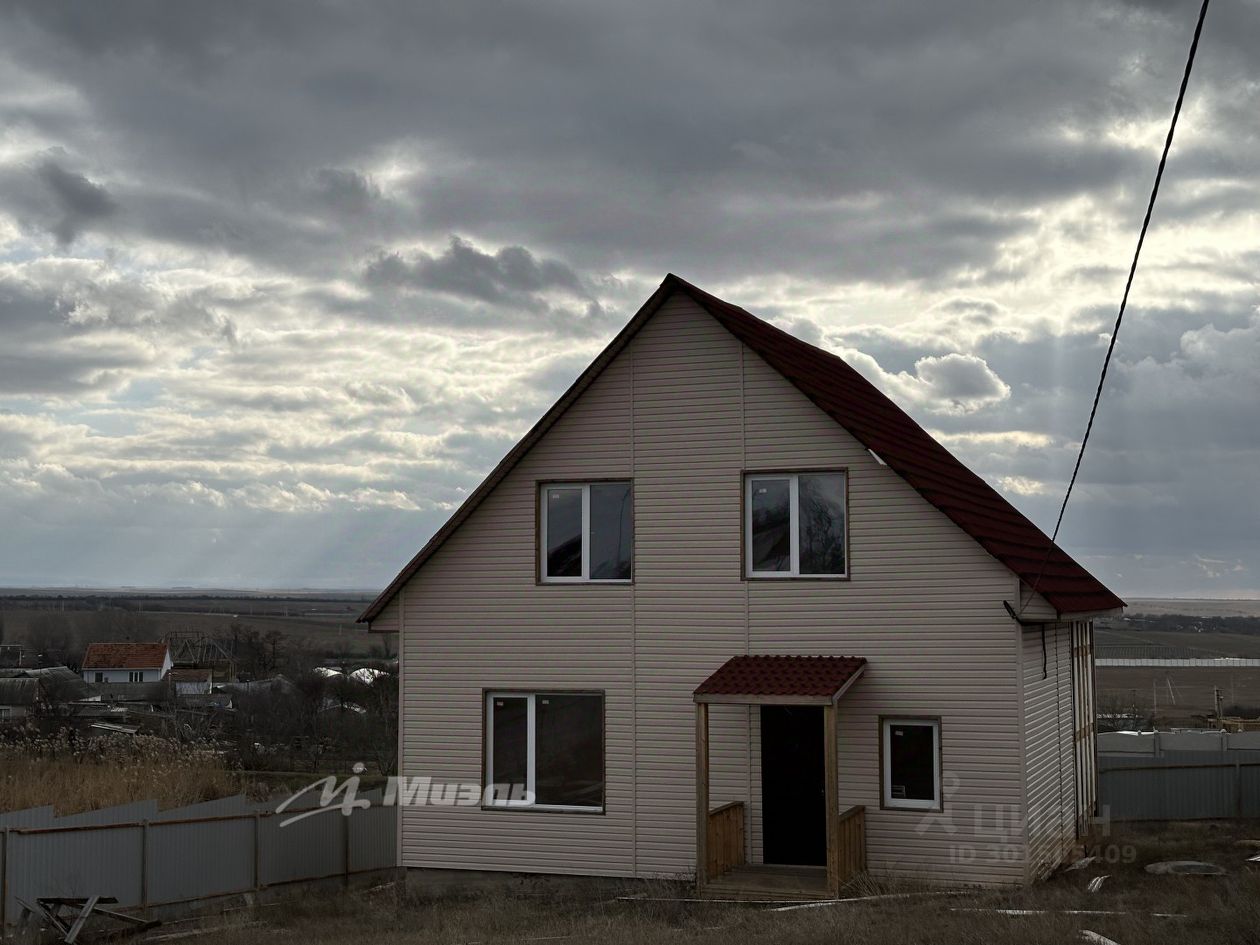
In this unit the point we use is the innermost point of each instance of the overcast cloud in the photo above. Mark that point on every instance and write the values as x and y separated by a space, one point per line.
280 282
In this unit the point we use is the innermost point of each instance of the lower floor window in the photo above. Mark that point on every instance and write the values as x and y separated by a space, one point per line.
911 775
545 750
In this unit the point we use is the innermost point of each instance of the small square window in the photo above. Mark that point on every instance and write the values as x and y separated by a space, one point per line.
911 775
796 525
587 532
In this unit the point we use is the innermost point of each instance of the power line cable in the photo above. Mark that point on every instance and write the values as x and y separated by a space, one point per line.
1124 300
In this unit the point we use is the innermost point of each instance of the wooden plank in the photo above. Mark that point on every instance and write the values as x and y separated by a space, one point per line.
831 793
725 839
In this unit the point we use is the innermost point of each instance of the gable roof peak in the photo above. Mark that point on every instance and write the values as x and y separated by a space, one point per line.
873 419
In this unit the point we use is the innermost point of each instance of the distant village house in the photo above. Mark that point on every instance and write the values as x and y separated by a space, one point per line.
126 662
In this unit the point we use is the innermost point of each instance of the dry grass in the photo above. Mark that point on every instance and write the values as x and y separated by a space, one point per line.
1223 910
87 774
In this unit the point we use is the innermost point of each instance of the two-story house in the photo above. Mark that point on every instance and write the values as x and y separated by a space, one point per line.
727 611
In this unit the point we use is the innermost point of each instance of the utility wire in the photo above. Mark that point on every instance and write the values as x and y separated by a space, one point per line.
1124 301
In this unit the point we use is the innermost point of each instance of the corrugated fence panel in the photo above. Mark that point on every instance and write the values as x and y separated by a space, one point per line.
1200 792
184 861
122 814
373 844
198 860
1249 789
31 817
306 849
223 807
104 862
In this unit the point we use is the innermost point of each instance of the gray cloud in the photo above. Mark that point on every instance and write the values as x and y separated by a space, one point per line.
79 201
512 274
310 269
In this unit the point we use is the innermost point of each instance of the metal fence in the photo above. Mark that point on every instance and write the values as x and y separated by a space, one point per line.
144 857
1177 790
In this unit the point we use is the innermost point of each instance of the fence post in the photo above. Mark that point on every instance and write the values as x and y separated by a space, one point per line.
257 850
345 846
1238 788
4 879
144 867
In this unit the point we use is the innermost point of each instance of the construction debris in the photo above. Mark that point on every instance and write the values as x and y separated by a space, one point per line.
1081 863
1095 884
69 917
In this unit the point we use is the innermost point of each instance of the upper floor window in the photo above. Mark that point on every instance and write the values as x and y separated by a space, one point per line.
795 525
587 531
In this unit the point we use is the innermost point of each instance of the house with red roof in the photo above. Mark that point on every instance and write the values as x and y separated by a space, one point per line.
126 662
728 612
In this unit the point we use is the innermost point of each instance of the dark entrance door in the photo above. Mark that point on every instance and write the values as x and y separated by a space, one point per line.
793 785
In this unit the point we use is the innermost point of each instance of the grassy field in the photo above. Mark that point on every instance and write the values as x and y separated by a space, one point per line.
1205 644
1182 694
1223 910
88 774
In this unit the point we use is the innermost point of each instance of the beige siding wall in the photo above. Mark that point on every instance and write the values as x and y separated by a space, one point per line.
684 411
1051 774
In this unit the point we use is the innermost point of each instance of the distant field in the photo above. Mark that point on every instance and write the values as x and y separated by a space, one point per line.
1180 694
1193 607
318 624
1211 644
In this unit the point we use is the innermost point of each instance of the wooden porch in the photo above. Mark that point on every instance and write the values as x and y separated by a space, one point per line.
722 867
727 874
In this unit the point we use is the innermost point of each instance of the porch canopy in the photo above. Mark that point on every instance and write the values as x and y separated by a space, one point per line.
776 680
781 680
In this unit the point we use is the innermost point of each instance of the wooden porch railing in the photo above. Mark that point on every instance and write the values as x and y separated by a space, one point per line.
725 842
846 853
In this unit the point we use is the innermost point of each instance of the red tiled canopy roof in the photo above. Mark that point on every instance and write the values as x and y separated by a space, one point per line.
124 656
877 423
807 678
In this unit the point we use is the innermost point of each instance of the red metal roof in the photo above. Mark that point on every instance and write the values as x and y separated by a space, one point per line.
879 424
909 450
124 656
816 677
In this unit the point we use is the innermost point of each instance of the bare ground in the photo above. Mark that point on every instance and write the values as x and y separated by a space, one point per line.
1222 910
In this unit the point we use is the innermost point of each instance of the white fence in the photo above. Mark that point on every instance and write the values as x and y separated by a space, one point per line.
144 857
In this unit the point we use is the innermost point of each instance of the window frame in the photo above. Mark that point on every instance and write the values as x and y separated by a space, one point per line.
487 748
886 801
540 515
793 477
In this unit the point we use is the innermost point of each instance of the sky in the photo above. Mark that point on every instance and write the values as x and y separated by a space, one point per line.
280 282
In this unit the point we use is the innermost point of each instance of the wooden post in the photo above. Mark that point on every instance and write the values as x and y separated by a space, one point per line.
831 793
702 794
